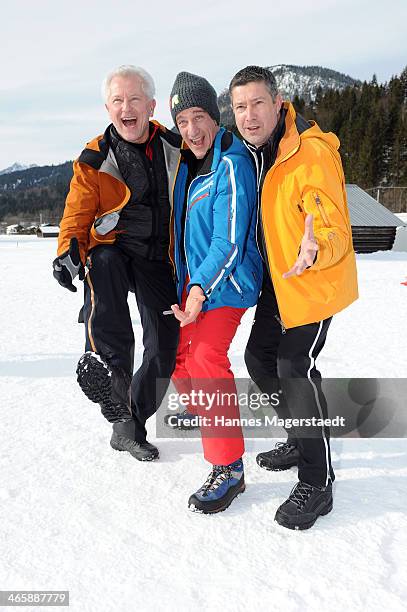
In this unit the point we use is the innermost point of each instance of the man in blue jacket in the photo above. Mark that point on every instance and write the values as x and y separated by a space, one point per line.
219 273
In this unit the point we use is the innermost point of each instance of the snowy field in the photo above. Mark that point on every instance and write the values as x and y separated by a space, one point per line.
116 533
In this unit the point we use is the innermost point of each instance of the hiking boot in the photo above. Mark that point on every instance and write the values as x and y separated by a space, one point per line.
223 484
141 451
304 505
105 385
283 457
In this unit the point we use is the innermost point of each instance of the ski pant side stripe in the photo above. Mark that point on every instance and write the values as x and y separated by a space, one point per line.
92 299
312 363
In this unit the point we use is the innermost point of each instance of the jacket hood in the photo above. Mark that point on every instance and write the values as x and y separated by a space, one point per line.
315 132
298 130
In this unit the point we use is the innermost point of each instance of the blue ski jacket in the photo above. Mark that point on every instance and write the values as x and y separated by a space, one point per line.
220 223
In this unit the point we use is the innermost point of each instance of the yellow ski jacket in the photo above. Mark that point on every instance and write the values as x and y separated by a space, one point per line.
307 177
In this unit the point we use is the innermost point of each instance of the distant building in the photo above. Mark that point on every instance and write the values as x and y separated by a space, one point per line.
14 229
374 227
48 231
400 243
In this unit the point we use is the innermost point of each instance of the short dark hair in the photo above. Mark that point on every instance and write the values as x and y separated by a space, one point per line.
252 74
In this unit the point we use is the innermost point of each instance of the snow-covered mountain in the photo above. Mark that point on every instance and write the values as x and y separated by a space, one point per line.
301 81
16 167
304 81
33 175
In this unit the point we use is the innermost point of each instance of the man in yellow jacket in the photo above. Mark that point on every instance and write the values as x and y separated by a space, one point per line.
304 237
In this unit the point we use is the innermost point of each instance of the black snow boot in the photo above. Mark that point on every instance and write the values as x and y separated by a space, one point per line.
284 456
304 505
105 385
143 451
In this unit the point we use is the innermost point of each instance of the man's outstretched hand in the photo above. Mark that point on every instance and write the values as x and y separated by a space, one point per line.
68 265
308 250
193 306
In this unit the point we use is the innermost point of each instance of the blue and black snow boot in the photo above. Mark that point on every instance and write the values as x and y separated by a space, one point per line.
105 385
223 484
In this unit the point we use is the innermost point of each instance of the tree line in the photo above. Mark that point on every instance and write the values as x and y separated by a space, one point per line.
26 195
371 123
370 120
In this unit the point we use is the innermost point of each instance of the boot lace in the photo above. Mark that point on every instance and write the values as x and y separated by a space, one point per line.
281 448
219 474
300 494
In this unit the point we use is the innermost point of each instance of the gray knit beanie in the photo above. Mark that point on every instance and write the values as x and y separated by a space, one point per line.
192 90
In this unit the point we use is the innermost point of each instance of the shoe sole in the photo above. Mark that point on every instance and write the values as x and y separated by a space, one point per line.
193 508
280 468
280 519
123 450
94 378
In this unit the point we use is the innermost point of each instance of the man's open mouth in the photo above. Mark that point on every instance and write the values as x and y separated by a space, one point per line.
129 121
197 142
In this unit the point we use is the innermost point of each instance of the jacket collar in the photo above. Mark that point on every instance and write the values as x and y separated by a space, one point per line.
290 138
290 142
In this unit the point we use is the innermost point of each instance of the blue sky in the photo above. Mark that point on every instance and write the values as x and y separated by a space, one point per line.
55 54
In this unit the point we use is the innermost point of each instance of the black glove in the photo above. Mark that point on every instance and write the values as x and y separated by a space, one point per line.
68 265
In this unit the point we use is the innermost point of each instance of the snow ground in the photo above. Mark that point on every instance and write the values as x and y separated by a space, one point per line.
116 533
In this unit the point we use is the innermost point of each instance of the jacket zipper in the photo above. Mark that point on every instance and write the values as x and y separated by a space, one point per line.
235 284
321 209
271 172
283 329
260 212
186 219
259 173
155 206
173 224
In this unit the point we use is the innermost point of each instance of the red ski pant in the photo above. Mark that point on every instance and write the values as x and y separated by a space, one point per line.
202 365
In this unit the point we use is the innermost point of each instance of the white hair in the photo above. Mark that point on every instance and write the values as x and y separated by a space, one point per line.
129 71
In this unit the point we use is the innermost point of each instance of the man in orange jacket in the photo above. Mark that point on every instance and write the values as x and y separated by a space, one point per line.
304 237
117 220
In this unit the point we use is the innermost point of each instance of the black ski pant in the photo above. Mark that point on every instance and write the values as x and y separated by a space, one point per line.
284 359
109 330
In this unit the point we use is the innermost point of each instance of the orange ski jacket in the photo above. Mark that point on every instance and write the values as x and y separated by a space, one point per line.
98 192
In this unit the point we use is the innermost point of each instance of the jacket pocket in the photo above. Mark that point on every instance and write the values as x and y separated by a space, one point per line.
236 285
322 289
321 209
